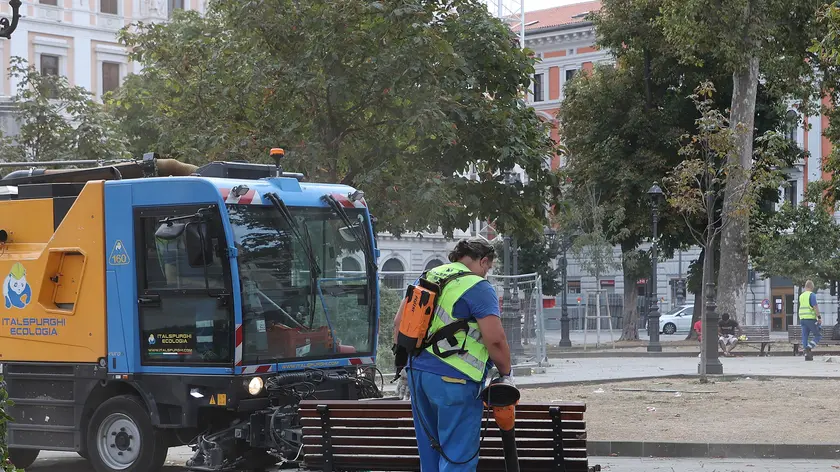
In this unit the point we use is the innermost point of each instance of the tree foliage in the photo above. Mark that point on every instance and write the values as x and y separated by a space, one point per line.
757 41
58 121
536 255
698 184
804 242
592 247
400 99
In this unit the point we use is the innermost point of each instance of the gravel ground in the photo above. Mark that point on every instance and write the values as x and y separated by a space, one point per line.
780 411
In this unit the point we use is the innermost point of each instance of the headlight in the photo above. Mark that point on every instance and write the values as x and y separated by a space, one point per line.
255 386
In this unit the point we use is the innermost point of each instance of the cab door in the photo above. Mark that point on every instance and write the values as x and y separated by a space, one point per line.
185 307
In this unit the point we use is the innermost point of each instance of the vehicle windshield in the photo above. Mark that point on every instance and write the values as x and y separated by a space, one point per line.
289 311
676 310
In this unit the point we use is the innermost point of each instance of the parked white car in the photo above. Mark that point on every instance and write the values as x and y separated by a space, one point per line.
677 320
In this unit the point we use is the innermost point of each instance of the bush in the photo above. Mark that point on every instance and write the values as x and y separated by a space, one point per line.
389 303
5 403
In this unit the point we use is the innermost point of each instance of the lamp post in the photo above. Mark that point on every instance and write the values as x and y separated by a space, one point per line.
7 27
511 319
565 244
656 197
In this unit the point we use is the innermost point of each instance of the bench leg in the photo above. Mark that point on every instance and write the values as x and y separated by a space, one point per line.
557 425
326 437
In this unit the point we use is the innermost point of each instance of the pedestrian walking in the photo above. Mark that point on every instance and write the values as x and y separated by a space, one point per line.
445 380
809 319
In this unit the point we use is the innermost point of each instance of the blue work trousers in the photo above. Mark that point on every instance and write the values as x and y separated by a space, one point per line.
810 327
451 412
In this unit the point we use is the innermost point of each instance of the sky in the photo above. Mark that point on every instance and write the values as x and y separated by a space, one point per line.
531 5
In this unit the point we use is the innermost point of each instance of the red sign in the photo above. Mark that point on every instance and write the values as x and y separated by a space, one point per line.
607 283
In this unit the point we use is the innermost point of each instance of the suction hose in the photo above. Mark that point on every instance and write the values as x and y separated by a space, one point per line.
502 395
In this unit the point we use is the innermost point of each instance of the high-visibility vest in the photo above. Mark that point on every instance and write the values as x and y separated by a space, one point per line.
463 350
806 312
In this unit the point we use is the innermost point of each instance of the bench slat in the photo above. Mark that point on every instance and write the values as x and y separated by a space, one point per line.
394 414
492 441
486 451
379 431
401 404
403 463
408 422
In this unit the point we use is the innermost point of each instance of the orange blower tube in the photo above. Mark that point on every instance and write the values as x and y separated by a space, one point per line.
505 417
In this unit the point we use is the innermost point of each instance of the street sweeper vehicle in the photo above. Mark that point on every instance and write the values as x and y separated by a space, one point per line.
149 304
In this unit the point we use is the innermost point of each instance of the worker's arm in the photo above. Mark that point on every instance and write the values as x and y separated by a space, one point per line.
493 337
813 300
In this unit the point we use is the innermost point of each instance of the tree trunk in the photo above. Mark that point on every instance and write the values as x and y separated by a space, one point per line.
734 251
630 270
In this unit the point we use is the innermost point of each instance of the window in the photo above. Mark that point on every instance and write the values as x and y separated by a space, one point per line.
394 281
176 5
184 299
110 77
574 286
433 263
570 74
49 64
538 87
292 308
791 192
110 7
792 121
349 264
49 2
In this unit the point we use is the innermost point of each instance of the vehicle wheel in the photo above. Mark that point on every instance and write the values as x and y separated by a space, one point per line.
23 458
670 328
120 437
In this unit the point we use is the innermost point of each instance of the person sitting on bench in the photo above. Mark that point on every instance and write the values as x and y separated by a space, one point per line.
726 331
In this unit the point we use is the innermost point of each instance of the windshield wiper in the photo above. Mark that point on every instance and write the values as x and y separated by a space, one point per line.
305 243
336 207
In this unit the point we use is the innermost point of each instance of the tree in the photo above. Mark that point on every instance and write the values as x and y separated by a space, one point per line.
623 124
535 256
700 185
399 99
750 38
57 121
804 242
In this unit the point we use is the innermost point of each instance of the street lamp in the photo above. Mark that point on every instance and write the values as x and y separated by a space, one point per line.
656 198
511 317
7 27
566 244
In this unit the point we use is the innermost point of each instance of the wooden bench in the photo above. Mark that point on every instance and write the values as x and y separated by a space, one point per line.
757 334
378 435
795 337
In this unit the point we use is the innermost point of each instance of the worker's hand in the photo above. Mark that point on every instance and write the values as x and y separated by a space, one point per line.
402 388
507 379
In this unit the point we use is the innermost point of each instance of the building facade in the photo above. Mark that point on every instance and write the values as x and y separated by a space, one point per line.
78 38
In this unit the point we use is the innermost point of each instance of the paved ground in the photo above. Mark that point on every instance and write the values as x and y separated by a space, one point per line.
63 462
579 370
616 464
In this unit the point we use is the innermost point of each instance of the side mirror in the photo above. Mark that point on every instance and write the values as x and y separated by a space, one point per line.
170 231
199 245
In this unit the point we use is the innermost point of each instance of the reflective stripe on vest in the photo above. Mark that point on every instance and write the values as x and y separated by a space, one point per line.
806 312
473 362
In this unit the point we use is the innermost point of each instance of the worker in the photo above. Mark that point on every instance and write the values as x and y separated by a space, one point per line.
446 378
809 319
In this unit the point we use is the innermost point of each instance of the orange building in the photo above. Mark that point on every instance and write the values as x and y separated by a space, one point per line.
565 43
